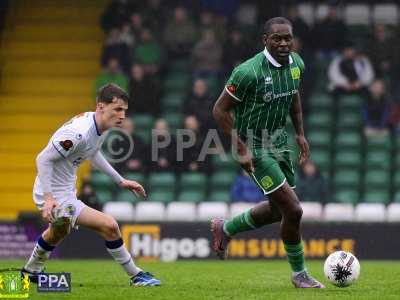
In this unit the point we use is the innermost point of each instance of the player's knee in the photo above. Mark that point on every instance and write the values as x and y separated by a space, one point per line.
59 232
294 214
111 229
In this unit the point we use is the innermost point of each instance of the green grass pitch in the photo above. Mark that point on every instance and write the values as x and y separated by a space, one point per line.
267 279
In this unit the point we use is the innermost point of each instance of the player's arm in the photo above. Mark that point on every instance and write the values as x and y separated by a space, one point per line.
222 113
296 116
100 163
44 164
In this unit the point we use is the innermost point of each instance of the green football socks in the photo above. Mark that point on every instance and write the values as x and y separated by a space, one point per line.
240 223
295 256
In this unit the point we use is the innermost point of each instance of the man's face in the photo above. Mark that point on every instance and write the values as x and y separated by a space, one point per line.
113 114
279 42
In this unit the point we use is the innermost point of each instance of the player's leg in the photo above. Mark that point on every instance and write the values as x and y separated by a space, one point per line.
108 228
268 177
289 206
46 243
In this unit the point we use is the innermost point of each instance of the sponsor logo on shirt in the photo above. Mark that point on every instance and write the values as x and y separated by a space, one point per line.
268 80
295 73
268 96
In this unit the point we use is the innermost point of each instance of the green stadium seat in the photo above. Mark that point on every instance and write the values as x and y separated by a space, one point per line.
143 121
396 180
319 138
104 196
347 196
139 177
174 120
177 82
193 181
127 196
349 178
222 180
376 196
348 158
350 102
349 119
378 159
376 178
396 197
172 102
221 163
322 158
319 119
165 181
348 139
179 65
220 196
144 134
378 142
321 100
101 181
192 196
161 196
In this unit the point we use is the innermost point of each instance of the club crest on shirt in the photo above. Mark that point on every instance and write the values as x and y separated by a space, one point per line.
295 73
231 88
268 80
67 144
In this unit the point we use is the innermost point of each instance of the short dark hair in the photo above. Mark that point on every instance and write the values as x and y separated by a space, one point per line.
108 92
276 20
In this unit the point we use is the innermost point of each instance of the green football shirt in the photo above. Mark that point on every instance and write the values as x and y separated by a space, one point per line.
264 90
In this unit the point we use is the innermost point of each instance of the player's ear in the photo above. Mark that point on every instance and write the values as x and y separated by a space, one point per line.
265 38
100 106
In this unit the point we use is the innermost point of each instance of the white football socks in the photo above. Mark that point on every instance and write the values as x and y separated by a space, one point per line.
118 251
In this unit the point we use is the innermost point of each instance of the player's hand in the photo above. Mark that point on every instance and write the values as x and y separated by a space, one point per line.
134 187
49 204
304 149
245 158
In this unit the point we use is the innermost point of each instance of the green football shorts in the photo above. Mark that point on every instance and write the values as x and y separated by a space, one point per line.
271 170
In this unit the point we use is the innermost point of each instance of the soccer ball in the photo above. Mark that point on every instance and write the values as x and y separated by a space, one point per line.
342 268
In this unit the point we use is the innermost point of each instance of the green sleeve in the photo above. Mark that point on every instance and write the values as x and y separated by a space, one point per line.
300 63
239 82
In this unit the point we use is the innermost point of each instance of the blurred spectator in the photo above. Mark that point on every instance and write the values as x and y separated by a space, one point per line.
301 29
88 196
191 154
376 110
137 161
115 47
208 21
199 104
235 50
311 185
244 189
207 55
165 158
350 72
180 34
148 53
112 74
380 50
154 8
114 15
329 34
144 92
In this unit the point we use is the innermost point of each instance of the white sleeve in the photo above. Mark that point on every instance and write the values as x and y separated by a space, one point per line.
335 76
100 163
44 164
67 142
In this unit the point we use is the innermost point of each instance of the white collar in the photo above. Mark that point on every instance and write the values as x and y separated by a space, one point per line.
273 60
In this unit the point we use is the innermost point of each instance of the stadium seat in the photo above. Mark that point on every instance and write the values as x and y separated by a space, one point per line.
312 211
321 101
385 14
191 196
338 212
178 211
162 181
348 139
378 142
224 163
318 138
357 14
350 196
376 195
127 196
370 212
396 197
193 181
121 211
348 178
318 120
377 178
174 120
240 207
172 102
393 212
349 119
378 159
222 180
176 81
104 196
143 121
348 159
322 158
139 177
161 196
350 102
220 196
101 181
208 210
150 211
